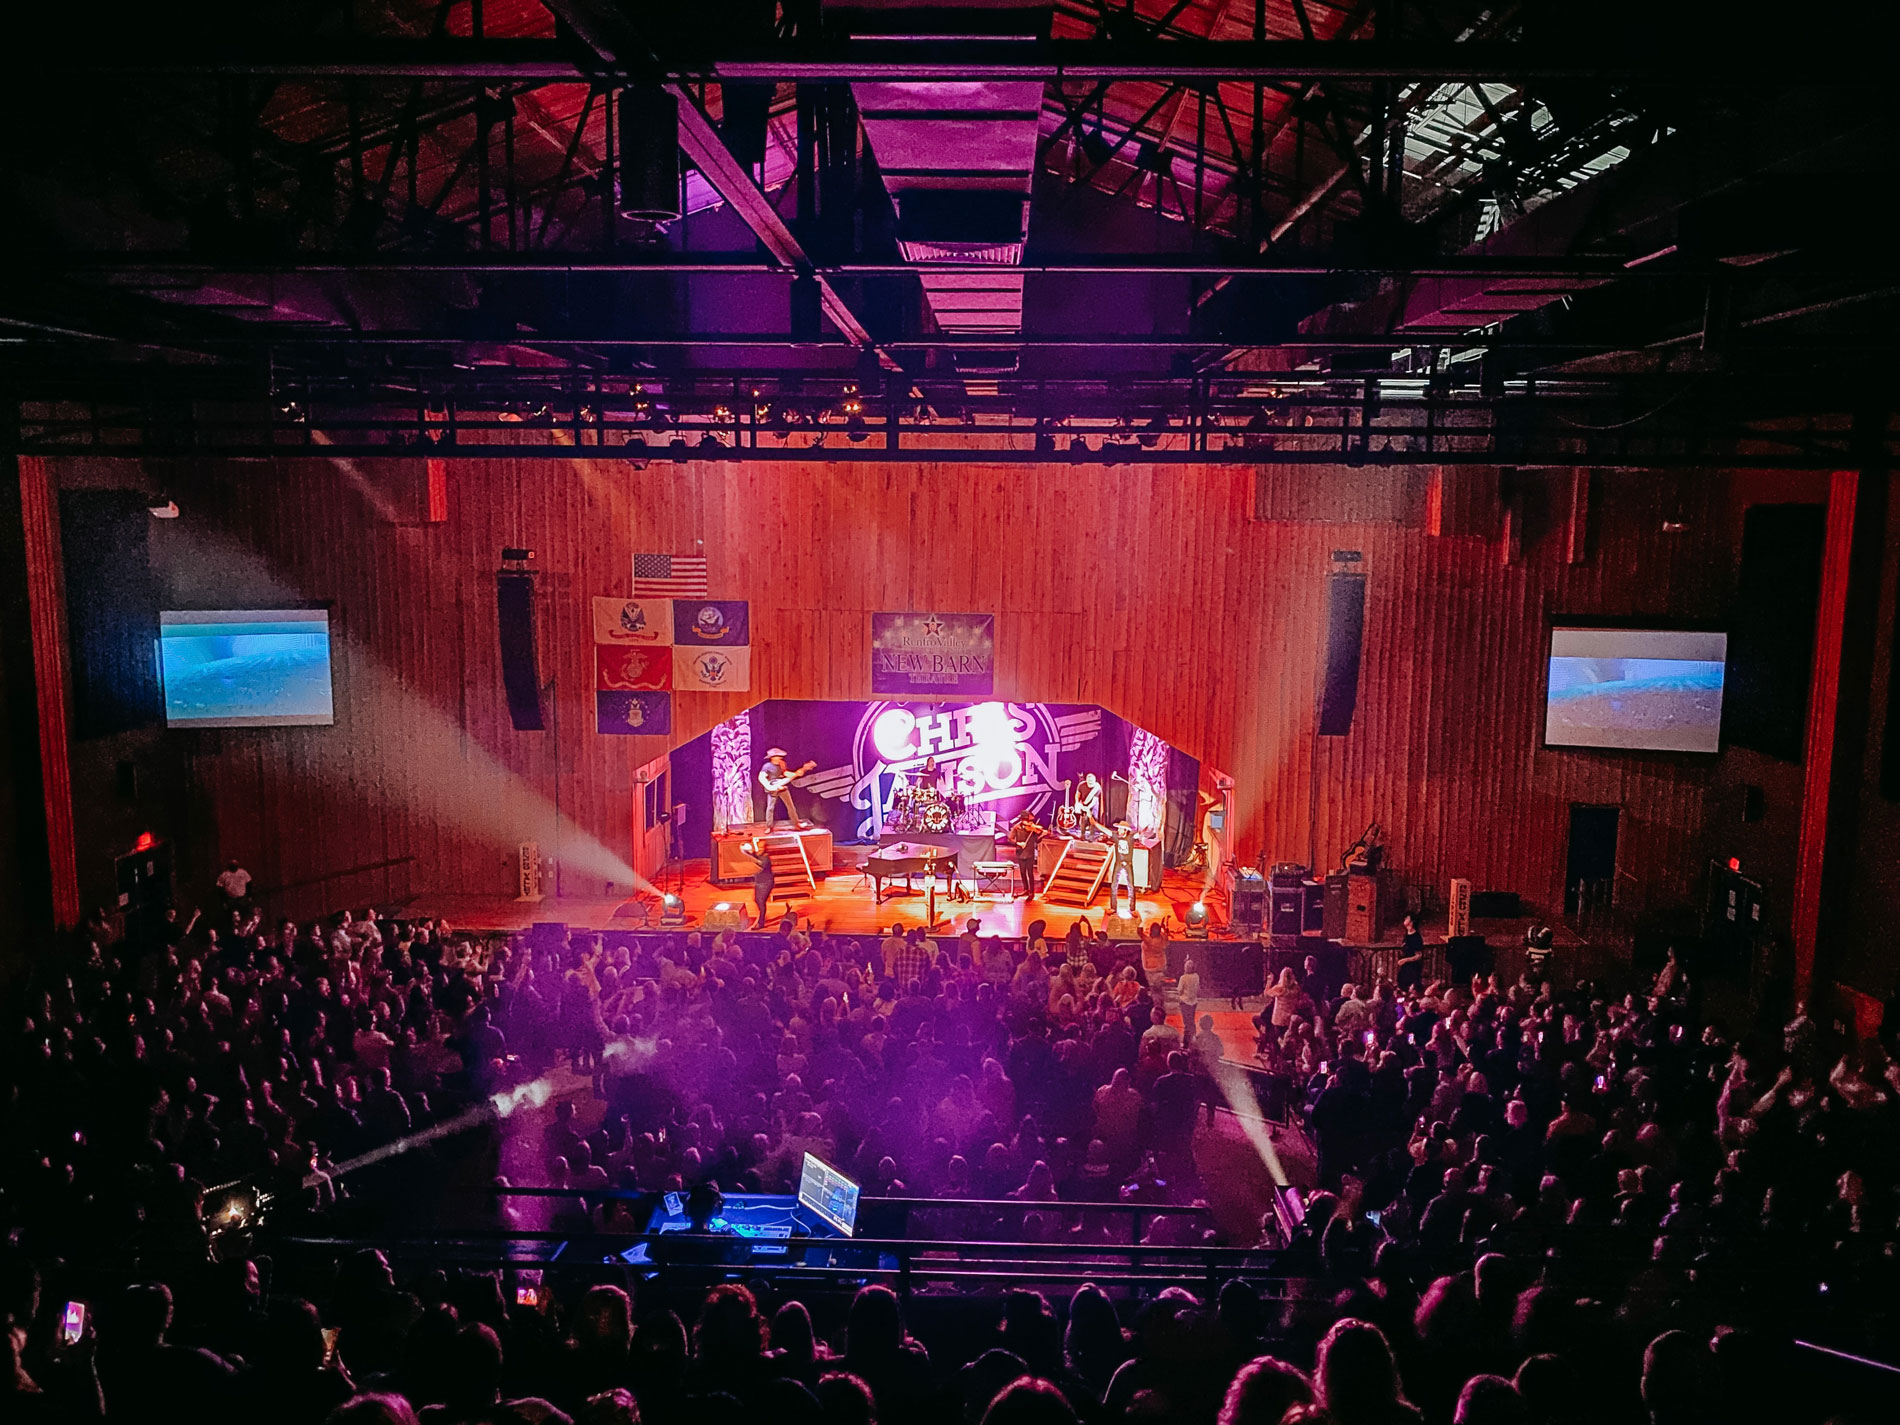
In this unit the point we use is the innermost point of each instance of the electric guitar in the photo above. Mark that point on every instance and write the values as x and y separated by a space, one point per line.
776 782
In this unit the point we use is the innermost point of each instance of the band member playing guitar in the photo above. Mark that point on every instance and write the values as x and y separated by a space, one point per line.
777 780
1027 835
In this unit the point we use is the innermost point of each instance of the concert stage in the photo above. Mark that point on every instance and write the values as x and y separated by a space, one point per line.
842 903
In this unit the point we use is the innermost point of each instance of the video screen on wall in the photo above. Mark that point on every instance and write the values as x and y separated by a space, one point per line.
1635 689
245 667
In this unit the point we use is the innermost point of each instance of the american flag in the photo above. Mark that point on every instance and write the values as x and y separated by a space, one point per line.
664 576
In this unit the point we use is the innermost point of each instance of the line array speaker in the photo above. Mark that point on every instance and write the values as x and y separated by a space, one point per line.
520 674
1345 631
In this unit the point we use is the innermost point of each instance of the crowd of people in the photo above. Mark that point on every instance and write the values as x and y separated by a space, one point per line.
1535 1201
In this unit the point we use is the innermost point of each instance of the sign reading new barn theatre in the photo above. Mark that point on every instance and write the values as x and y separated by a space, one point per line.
951 655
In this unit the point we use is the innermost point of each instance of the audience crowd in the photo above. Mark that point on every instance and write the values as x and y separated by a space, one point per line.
1535 1201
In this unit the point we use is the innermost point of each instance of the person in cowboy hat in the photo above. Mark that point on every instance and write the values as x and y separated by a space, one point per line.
777 780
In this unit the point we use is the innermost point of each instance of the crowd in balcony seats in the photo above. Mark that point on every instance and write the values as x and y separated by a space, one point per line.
1535 1202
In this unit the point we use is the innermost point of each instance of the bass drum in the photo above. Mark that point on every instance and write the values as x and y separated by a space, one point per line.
936 817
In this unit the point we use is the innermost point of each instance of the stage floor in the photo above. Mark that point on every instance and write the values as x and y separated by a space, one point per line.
843 904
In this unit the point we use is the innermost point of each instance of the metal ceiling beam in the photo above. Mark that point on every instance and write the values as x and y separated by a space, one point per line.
1715 456
604 31
502 264
1047 60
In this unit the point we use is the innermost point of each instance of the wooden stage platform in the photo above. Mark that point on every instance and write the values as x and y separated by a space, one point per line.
842 904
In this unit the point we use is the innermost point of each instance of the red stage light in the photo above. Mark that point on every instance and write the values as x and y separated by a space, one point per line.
145 842
1735 863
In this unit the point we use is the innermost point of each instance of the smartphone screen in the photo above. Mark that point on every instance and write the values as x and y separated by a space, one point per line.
72 1323
329 1346
674 1208
528 1288
1372 1216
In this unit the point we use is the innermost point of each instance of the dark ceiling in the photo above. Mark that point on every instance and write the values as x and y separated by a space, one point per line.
1585 232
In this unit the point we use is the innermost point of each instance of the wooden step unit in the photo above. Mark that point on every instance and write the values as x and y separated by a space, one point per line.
1076 878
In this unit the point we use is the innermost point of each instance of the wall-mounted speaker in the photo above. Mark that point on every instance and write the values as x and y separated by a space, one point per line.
520 674
1339 673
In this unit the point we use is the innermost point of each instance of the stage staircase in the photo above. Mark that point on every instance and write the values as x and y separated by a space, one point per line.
791 867
1076 878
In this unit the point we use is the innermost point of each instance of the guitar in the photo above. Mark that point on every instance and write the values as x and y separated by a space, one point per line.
775 782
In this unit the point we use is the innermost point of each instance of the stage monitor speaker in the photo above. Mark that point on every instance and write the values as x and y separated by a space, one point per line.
1468 955
1333 917
1496 905
1459 908
520 675
1345 630
1314 922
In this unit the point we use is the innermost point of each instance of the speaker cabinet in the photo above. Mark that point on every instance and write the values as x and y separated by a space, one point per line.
1289 910
1315 896
520 674
1365 924
1345 631
1333 922
1250 898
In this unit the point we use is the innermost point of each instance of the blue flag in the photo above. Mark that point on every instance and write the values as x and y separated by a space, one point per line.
711 623
633 714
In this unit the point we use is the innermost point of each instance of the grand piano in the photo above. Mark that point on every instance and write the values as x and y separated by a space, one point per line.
907 859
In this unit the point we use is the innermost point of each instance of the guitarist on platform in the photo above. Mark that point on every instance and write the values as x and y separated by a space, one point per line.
777 780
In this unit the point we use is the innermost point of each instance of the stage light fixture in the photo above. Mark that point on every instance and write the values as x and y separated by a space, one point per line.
672 910
1197 921
1078 447
163 508
1152 430
855 429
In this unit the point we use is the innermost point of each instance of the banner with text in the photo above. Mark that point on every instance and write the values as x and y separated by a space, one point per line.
917 654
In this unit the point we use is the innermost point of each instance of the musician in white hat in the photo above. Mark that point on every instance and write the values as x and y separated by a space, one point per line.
777 779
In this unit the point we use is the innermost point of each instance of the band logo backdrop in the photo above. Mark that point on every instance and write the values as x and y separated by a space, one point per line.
933 654
998 758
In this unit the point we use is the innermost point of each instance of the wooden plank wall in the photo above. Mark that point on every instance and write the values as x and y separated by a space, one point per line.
1153 591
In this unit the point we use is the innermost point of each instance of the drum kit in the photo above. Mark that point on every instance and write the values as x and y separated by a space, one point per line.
927 809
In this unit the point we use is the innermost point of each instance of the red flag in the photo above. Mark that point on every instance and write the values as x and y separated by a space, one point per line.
628 668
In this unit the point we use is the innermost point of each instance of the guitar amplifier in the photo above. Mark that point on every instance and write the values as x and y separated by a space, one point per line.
1288 902
1315 922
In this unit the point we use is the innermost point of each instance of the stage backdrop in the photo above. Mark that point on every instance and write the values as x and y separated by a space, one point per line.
1006 757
